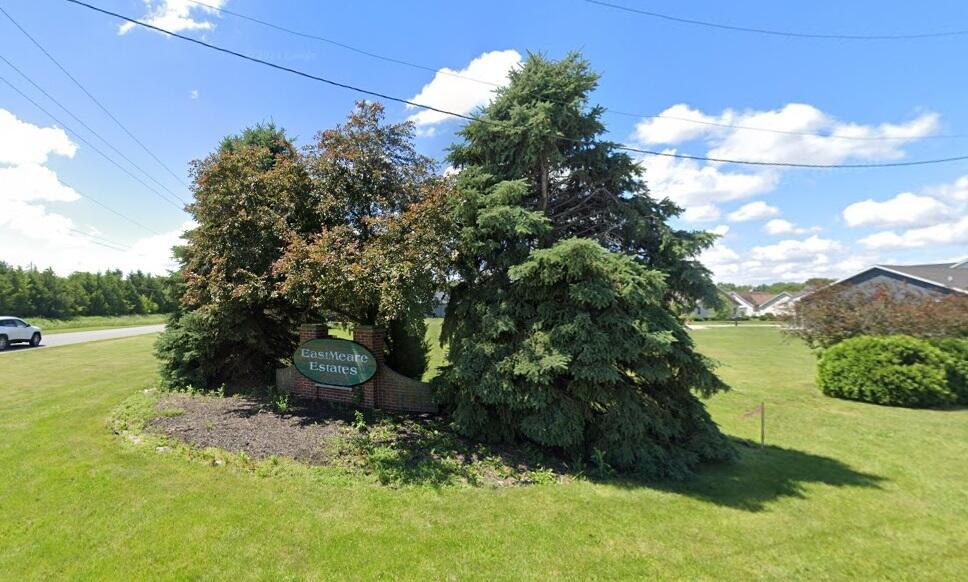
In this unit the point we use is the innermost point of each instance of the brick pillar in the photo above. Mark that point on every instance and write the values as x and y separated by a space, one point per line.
303 386
372 338
309 331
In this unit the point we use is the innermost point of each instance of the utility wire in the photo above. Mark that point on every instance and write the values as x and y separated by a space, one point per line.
791 132
108 208
607 109
90 145
343 45
93 98
87 127
786 33
471 118
102 241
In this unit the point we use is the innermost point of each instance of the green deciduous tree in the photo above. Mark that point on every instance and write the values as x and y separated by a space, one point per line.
373 247
232 327
560 326
354 228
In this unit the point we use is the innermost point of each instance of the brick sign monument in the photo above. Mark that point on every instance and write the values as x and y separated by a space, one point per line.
351 372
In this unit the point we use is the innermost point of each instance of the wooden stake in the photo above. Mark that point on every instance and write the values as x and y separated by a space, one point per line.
762 424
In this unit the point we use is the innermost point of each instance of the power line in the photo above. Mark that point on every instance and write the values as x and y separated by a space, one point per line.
108 208
102 241
441 70
791 132
90 145
271 64
794 164
93 98
910 36
471 118
87 127
343 45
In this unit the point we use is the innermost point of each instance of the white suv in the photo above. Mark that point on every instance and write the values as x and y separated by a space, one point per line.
15 330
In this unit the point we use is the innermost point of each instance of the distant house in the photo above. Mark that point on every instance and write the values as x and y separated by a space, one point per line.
751 304
932 279
758 304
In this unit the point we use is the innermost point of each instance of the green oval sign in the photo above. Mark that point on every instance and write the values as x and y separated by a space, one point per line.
334 361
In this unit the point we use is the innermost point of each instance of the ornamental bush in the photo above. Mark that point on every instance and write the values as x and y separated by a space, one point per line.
957 351
890 370
836 313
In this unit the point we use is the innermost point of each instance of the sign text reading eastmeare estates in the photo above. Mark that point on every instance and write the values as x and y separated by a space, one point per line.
334 361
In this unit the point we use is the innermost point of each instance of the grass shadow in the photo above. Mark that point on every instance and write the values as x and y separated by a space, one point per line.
761 475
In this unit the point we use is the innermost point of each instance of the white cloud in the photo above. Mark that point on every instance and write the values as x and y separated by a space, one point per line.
176 15
451 92
688 184
25 182
827 149
835 142
691 183
787 260
945 233
24 143
32 182
154 252
753 211
670 126
721 229
938 216
793 249
957 191
701 213
65 250
718 256
193 94
32 233
905 209
780 226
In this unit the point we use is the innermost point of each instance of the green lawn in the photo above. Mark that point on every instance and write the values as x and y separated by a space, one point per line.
94 322
843 490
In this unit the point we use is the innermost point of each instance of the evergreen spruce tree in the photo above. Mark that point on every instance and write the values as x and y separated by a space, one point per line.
561 327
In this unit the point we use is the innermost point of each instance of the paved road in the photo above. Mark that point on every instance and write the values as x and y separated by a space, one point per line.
80 337
729 325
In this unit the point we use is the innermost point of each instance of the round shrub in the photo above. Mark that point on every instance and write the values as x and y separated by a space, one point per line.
891 370
957 351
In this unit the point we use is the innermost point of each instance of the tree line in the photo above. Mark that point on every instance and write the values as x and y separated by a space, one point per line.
779 287
42 293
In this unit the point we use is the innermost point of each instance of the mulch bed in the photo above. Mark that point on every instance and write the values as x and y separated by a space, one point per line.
242 424
396 449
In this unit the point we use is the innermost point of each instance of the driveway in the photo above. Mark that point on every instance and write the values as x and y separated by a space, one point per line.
80 337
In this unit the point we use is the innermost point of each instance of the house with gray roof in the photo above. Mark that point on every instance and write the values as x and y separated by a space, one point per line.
929 279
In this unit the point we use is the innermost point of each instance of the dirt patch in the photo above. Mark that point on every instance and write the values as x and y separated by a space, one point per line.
393 450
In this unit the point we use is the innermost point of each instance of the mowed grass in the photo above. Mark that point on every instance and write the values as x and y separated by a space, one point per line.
95 322
843 490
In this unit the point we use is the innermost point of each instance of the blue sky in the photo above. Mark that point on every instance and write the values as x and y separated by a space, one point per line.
180 100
